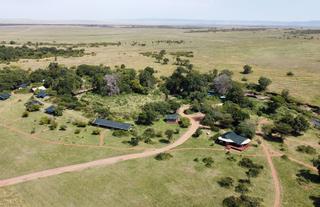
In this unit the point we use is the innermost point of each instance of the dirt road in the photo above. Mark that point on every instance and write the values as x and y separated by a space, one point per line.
112 160
274 174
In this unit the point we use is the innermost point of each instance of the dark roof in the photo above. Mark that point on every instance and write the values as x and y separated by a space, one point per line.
50 110
172 117
237 139
42 94
4 96
111 124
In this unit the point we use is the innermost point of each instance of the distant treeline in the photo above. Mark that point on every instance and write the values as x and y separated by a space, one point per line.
8 54
227 30
304 32
73 45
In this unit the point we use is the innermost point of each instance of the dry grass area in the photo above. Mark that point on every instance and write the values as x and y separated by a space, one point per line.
270 55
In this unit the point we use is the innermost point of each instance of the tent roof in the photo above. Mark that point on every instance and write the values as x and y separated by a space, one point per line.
232 137
4 96
111 124
172 117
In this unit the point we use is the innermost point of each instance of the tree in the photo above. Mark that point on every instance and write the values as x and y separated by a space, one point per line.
163 156
300 124
111 85
246 129
226 182
169 133
146 117
235 94
222 84
146 78
198 133
247 69
264 83
184 122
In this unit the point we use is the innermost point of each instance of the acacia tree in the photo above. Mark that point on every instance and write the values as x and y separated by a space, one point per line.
222 84
264 83
111 85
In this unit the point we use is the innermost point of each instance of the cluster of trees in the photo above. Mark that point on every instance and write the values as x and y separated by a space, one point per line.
153 111
8 54
11 78
124 80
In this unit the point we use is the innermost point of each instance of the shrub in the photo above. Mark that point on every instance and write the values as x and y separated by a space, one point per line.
198 133
32 107
242 201
53 124
33 130
134 141
247 69
169 133
184 122
306 149
163 156
242 188
120 133
80 124
25 114
63 128
149 132
290 73
96 132
226 182
208 161
77 131
244 79
44 120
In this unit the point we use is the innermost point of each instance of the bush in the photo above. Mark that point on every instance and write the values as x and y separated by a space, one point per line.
25 114
198 133
254 169
169 133
247 69
306 149
77 131
184 122
32 107
134 141
226 182
208 161
80 124
53 124
120 133
290 74
96 132
149 132
244 79
242 201
163 156
44 120
242 188
63 128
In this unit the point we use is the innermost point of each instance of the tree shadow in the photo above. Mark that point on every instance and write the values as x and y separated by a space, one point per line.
308 176
271 138
164 141
316 200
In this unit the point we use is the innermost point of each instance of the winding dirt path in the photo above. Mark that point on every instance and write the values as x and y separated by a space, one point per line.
274 174
194 119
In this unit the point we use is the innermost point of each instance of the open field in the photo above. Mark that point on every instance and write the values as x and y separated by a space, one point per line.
270 54
182 183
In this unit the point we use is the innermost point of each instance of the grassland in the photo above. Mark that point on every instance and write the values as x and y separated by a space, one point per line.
147 182
269 53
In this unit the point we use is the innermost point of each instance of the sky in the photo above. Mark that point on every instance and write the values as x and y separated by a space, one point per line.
101 10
